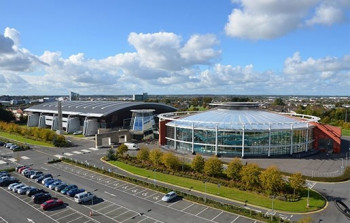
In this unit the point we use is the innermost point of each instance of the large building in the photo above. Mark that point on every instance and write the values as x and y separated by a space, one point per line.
89 116
241 129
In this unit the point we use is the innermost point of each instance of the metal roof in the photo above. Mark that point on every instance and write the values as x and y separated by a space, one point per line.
227 119
93 108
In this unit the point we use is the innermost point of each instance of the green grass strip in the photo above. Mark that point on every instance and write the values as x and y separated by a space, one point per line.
23 139
345 132
316 200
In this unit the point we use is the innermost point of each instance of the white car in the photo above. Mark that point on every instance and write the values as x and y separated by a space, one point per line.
83 197
12 185
169 196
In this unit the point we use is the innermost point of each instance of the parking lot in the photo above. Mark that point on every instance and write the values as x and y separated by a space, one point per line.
120 213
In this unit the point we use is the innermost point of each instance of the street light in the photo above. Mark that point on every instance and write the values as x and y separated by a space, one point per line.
205 189
92 202
308 196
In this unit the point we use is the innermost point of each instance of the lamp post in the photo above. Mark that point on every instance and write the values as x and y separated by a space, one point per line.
205 189
308 196
92 203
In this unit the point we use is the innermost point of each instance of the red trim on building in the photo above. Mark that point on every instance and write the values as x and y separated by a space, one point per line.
322 131
162 131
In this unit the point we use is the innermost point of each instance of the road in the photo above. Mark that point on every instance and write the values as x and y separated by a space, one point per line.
84 151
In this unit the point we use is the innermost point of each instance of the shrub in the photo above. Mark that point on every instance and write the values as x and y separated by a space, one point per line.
110 155
143 154
59 141
198 163
250 175
122 149
234 168
213 166
271 180
155 155
171 161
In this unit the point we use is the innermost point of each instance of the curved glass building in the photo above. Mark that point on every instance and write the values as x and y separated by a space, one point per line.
237 129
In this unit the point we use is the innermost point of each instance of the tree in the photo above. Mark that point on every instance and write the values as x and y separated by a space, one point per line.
234 168
155 155
122 149
296 182
171 161
110 154
271 179
143 154
59 141
5 115
278 101
250 175
198 163
213 166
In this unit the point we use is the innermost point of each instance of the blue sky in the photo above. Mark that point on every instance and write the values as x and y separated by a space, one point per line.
175 47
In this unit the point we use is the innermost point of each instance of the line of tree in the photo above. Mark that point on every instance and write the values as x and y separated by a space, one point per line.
39 134
248 177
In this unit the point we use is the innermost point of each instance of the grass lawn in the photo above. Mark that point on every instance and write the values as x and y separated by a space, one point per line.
345 132
316 200
24 140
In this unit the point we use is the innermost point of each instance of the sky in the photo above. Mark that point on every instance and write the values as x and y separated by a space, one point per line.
120 47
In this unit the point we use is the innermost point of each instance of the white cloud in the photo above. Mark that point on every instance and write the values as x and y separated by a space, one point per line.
268 19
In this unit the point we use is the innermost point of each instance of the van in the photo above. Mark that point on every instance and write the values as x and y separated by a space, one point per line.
132 146
83 197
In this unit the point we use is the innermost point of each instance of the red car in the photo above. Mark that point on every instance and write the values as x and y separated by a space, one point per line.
22 168
51 204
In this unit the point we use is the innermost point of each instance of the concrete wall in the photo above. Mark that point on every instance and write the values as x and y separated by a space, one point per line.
114 137
33 120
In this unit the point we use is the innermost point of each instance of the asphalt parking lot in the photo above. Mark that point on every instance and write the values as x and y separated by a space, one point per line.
123 214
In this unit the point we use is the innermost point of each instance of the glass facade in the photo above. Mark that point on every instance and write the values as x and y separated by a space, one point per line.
230 143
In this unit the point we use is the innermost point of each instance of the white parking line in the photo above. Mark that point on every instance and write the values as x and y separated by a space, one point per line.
202 211
75 219
12 160
85 150
68 154
187 207
216 216
110 194
95 149
114 209
3 220
66 216
104 207
60 212
235 219
151 195
121 214
25 157
2 162
28 204
77 152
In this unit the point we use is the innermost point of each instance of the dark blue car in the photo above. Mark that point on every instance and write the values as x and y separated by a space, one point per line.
75 191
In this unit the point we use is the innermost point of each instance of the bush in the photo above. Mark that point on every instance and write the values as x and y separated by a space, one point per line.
271 180
213 166
155 156
171 161
198 163
59 141
122 149
250 175
234 168
143 154
110 155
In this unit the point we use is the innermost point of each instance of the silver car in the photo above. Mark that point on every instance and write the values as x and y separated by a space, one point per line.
15 188
23 190
11 186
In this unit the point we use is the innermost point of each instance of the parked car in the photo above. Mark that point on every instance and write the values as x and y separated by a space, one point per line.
21 169
18 167
169 196
10 186
15 147
36 174
4 173
46 179
83 197
61 187
17 187
54 184
28 173
8 181
75 191
41 197
69 187
34 191
8 145
51 204
23 190
50 181
2 143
